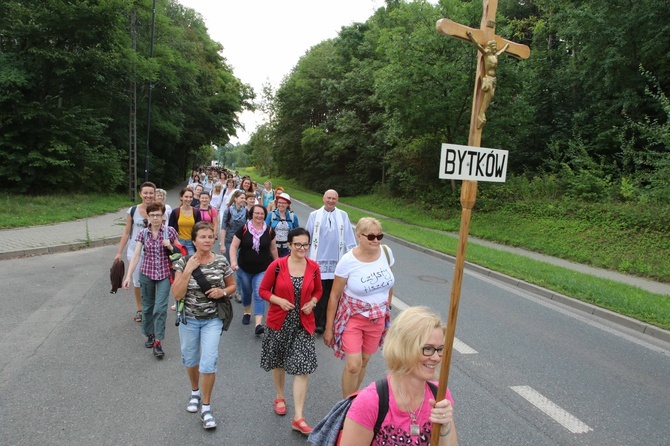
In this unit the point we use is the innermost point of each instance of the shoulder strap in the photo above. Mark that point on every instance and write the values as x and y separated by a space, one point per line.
229 216
382 386
132 212
145 233
386 252
199 276
433 388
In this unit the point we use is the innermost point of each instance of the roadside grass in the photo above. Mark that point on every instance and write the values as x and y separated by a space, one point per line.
46 209
418 226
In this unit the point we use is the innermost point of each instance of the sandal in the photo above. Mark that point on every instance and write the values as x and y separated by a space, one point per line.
301 426
280 410
193 404
138 316
208 421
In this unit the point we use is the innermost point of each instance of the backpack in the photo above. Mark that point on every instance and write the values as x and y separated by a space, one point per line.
328 432
289 218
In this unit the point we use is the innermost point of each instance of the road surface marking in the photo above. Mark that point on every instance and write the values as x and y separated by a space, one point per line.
575 314
556 413
460 346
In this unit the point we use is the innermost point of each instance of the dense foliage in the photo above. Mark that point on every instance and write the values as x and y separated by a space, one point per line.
66 69
586 112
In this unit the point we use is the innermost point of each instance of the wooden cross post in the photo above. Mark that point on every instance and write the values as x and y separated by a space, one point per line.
487 44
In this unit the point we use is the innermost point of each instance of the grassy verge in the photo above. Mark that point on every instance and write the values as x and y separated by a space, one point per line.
621 298
42 210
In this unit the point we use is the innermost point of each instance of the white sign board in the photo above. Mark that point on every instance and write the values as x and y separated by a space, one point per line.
473 163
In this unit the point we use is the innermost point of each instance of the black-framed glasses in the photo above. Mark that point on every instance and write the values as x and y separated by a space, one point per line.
371 237
301 245
429 350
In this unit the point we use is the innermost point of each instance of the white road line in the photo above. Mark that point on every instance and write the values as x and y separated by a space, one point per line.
555 306
556 413
460 346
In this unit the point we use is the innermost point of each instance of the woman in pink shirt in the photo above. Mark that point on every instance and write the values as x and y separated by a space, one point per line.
413 352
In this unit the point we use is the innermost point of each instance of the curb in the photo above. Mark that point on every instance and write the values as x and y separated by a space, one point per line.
602 313
30 252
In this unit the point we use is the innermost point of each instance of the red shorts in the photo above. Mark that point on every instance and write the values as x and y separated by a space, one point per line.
362 335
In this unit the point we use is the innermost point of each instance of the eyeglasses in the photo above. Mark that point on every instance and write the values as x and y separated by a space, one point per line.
371 237
155 215
430 351
301 245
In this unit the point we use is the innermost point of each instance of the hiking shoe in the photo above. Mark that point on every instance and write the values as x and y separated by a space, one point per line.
150 341
208 421
193 404
158 349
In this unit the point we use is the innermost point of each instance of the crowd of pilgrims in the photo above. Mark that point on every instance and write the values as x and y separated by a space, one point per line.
326 278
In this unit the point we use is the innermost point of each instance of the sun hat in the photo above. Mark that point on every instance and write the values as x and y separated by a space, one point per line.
284 196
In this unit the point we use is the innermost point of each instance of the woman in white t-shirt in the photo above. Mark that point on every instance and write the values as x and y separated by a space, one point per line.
359 309
136 220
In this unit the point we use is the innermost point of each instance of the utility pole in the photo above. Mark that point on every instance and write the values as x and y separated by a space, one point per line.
151 87
132 121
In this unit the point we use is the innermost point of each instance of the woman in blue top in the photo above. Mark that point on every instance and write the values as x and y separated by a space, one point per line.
233 217
282 220
268 195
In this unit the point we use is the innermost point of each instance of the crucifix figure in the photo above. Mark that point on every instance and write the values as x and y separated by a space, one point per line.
487 61
490 55
487 64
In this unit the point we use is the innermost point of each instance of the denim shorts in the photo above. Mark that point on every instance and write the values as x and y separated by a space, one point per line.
199 339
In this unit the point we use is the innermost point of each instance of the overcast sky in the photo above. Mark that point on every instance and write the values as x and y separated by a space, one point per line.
263 39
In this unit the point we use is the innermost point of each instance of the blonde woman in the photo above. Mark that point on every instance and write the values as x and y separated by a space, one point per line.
161 195
359 308
413 352
217 197
268 196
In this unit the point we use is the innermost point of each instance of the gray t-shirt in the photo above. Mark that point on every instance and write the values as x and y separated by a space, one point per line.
197 304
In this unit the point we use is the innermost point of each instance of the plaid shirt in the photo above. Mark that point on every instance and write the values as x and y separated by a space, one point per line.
155 262
349 306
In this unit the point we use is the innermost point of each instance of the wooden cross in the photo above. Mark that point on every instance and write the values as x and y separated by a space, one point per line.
487 44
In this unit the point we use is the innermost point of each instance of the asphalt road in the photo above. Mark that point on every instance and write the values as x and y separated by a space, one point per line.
74 370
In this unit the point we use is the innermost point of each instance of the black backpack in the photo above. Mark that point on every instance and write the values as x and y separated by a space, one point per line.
324 433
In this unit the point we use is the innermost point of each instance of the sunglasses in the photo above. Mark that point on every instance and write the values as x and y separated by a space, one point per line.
371 237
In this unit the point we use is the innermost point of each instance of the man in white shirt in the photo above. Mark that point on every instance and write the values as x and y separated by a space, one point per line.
331 236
